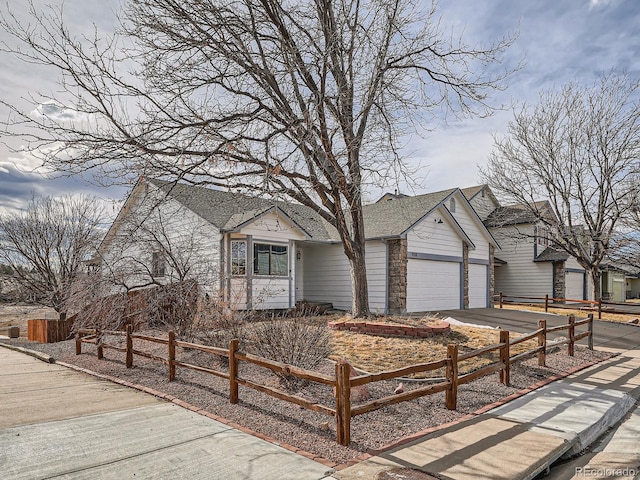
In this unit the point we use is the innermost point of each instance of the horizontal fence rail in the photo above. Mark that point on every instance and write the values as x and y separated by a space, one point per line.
599 305
512 299
342 381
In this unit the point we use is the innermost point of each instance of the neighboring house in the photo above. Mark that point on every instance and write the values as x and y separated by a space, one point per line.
633 285
619 282
613 281
528 264
424 252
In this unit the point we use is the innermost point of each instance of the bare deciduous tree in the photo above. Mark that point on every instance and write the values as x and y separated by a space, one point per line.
45 245
579 149
157 243
304 100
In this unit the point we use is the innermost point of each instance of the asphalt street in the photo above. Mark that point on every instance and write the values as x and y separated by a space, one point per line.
605 334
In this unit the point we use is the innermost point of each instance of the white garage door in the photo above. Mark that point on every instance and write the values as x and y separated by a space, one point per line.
478 286
618 290
574 289
432 285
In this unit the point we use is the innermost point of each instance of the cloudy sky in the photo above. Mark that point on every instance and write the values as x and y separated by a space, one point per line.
559 40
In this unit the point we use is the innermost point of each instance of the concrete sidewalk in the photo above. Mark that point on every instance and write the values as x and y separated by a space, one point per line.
522 438
56 422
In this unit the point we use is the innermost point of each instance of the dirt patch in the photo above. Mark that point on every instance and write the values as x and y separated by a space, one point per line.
372 353
17 315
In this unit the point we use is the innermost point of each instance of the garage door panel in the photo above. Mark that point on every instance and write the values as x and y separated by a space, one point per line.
432 285
478 286
574 289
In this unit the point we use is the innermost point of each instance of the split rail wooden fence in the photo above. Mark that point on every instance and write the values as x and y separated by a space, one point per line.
596 305
341 381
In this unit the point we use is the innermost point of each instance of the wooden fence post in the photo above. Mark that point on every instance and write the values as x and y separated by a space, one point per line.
78 344
542 342
590 326
343 403
505 376
501 299
600 308
172 356
452 377
99 344
572 335
233 371
129 357
546 303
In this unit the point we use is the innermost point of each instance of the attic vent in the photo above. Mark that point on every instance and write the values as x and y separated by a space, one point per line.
452 205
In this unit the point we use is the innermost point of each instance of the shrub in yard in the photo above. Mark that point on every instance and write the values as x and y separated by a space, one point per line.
218 324
292 341
173 307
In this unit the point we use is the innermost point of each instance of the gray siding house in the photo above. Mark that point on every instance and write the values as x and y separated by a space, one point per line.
425 252
528 264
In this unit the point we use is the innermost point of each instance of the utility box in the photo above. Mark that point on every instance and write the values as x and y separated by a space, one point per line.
14 332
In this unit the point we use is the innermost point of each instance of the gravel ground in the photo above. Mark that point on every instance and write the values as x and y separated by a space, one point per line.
310 431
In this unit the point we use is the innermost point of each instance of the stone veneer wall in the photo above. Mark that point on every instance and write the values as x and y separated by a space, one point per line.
397 271
559 280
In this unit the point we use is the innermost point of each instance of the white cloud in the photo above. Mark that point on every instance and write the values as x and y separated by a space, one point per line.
58 113
600 3
31 162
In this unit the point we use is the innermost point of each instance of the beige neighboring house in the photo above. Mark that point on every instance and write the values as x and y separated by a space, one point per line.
425 252
619 282
527 264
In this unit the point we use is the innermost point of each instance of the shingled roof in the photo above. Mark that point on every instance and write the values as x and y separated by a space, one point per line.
515 215
394 217
228 210
471 192
550 254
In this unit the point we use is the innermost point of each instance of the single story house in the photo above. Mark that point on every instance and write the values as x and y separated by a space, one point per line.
424 252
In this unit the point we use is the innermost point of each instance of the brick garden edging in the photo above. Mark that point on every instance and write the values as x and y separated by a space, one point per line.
391 330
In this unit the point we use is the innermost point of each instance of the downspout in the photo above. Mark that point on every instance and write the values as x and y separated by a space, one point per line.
228 268
222 265
386 276
292 272
249 272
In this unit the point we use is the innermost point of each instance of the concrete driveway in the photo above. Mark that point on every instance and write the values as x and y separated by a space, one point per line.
606 334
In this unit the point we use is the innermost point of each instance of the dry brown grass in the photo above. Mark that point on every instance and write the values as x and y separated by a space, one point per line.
374 353
578 312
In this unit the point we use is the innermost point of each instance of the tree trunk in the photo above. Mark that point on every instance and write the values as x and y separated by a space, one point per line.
594 273
359 286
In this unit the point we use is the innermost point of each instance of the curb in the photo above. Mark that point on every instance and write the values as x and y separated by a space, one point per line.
33 353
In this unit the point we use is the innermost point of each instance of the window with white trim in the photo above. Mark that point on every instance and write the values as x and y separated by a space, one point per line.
238 257
270 259
543 236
